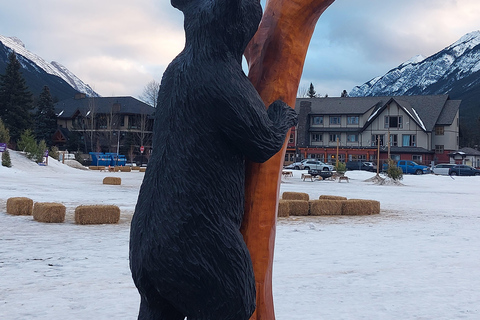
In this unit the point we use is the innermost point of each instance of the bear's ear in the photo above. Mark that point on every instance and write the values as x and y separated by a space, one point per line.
181 4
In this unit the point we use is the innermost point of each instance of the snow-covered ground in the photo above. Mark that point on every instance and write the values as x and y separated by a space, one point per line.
418 259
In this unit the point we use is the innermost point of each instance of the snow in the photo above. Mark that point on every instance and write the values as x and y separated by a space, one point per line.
418 259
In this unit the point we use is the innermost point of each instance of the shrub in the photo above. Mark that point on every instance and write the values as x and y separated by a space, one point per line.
341 167
6 161
54 152
394 172
33 150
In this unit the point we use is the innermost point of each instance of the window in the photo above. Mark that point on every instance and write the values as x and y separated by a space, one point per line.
439 148
317 120
417 158
409 140
352 137
291 139
335 120
393 122
375 139
316 137
439 131
393 140
352 120
333 137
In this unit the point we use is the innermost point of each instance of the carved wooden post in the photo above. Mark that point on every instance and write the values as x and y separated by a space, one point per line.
275 56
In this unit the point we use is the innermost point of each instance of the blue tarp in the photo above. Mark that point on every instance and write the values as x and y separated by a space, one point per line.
107 159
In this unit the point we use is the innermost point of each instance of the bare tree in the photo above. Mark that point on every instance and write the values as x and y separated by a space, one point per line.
150 93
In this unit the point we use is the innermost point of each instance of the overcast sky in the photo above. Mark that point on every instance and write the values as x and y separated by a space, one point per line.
118 46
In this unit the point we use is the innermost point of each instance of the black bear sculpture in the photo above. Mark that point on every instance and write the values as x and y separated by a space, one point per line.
187 255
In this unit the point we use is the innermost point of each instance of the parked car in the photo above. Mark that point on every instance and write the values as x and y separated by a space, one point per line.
361 165
317 165
412 167
443 168
463 170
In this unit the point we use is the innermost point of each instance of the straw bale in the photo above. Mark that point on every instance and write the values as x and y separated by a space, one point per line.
93 167
298 207
135 168
112 180
283 208
97 214
327 197
125 169
49 212
325 207
143 169
20 206
295 196
360 207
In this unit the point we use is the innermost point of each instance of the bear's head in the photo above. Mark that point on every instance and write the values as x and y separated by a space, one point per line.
220 25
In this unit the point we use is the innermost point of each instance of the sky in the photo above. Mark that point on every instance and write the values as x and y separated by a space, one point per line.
117 47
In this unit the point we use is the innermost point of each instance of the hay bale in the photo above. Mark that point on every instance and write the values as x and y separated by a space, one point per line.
135 168
97 214
283 208
93 167
298 207
143 169
126 169
360 207
20 206
327 197
49 212
325 207
295 196
112 180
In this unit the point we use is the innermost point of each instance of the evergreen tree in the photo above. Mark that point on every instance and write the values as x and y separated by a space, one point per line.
4 133
344 94
45 117
311 91
15 99
6 161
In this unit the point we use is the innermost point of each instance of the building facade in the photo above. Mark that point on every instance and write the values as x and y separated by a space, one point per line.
105 124
419 128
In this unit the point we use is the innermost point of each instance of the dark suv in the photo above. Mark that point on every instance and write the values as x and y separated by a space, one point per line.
463 170
360 165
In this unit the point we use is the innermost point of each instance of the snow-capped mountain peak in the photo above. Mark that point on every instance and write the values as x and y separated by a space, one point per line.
52 68
452 67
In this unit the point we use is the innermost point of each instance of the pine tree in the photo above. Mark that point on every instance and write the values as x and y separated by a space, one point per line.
6 161
4 133
15 99
45 117
311 91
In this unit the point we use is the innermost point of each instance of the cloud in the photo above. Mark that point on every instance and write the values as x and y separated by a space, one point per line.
119 46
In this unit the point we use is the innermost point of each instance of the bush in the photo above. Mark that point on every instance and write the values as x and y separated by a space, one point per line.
6 161
54 152
28 145
394 172
341 167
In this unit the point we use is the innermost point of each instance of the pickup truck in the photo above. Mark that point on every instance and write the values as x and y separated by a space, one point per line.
412 167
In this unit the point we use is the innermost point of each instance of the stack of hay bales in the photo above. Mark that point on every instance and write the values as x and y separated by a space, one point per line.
20 206
49 212
97 214
295 203
298 204
112 180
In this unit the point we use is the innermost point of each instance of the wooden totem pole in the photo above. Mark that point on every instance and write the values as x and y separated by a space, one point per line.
275 57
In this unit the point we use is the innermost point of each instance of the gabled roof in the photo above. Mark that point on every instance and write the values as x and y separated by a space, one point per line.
426 110
126 105
351 105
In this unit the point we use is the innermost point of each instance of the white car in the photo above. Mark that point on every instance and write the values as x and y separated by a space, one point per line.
443 168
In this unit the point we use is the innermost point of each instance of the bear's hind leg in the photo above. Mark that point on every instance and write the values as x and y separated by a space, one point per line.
160 310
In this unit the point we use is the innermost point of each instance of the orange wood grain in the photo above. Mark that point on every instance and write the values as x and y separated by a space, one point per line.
275 57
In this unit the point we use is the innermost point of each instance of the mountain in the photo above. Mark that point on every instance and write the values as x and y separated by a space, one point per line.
37 72
454 70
